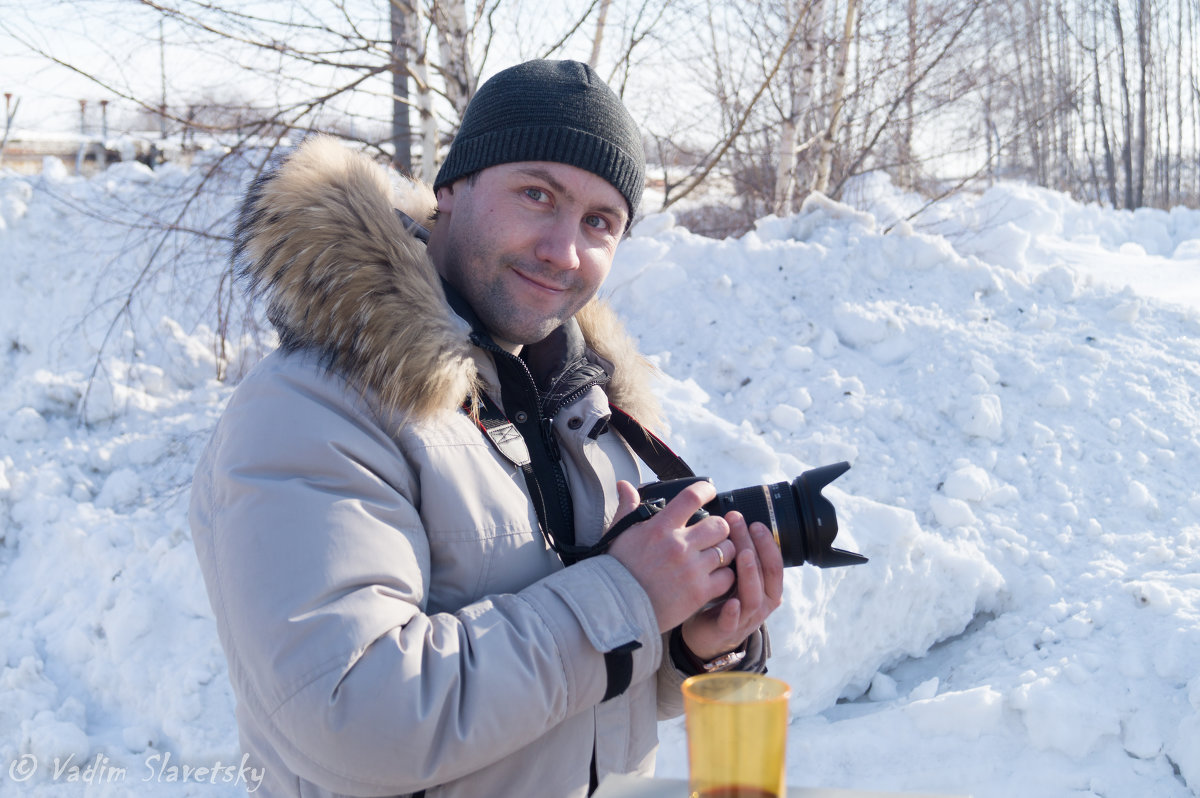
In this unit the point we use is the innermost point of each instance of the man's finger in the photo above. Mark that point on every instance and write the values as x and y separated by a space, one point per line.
685 504
739 533
627 499
731 613
770 560
750 580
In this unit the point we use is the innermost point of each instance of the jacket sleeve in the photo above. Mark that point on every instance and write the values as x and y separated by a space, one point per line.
672 674
304 517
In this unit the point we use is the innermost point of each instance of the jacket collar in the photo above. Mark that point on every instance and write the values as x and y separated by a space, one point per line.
560 364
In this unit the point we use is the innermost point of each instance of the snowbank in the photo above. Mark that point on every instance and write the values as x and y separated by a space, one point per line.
1013 378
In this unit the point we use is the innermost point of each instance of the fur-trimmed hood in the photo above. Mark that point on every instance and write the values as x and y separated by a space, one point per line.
317 237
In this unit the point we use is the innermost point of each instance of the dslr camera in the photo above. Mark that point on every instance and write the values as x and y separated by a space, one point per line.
802 521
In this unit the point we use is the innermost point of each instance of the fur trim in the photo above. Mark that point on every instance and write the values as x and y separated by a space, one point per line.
318 238
629 388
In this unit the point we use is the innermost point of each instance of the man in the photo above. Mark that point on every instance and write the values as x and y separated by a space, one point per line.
399 516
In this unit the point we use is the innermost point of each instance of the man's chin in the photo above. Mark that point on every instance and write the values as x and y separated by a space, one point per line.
507 336
539 335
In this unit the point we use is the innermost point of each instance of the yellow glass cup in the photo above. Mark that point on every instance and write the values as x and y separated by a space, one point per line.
736 735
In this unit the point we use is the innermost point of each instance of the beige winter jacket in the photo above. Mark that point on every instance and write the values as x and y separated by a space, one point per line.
392 617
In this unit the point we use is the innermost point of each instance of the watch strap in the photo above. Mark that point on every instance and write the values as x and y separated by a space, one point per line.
688 663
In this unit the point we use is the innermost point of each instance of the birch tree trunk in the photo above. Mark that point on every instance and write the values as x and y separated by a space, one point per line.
594 60
799 66
785 165
905 155
402 23
1110 163
1041 121
429 127
10 113
801 100
454 48
1179 40
825 162
1143 134
1126 106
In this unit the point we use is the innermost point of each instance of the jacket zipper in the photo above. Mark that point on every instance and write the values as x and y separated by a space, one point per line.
578 393
546 413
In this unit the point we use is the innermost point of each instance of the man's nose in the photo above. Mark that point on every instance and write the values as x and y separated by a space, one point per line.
557 243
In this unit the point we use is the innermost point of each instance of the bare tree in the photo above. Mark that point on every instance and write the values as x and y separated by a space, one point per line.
1143 40
751 103
449 18
1107 108
402 18
943 45
906 153
601 20
1110 162
837 100
738 117
10 113
799 100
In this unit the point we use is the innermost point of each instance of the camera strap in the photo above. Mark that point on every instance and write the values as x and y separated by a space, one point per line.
654 453
508 441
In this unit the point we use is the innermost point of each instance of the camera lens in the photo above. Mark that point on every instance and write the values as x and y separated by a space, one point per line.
775 507
802 521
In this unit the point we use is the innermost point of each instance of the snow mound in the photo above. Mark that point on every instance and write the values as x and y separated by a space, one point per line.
1012 376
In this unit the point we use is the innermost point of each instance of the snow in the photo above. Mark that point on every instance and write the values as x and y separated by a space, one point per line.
1012 375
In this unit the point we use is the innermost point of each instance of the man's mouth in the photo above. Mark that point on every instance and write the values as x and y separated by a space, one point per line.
539 282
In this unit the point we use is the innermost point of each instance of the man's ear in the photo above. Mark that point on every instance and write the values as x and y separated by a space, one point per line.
445 199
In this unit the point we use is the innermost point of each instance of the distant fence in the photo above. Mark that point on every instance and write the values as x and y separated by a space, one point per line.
26 153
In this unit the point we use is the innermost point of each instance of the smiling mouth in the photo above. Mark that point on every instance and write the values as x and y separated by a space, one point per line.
539 283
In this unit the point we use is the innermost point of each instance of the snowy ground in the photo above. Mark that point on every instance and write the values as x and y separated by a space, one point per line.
1013 376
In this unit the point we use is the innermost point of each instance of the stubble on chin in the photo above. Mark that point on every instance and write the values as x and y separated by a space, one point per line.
494 294
507 317
507 320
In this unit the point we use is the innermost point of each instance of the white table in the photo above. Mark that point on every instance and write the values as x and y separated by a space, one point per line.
637 787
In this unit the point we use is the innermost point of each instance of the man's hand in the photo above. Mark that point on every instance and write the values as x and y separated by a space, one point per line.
759 564
682 567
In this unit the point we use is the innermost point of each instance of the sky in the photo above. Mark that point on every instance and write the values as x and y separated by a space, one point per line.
1013 377
47 51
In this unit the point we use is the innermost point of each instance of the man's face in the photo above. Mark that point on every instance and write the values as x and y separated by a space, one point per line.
527 244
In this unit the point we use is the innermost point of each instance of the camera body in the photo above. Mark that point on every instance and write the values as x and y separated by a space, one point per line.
802 521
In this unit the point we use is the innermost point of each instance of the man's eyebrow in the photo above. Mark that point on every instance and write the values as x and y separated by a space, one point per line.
543 174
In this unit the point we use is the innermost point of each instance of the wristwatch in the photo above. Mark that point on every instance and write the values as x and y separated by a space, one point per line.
690 663
725 662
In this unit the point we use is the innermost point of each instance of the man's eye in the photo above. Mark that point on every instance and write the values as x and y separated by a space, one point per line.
596 221
536 194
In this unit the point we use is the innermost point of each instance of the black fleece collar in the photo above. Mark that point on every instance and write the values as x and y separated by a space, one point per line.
559 364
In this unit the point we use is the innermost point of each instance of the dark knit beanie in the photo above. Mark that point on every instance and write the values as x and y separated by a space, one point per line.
557 111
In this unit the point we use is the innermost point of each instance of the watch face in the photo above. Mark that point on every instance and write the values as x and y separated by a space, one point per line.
724 662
